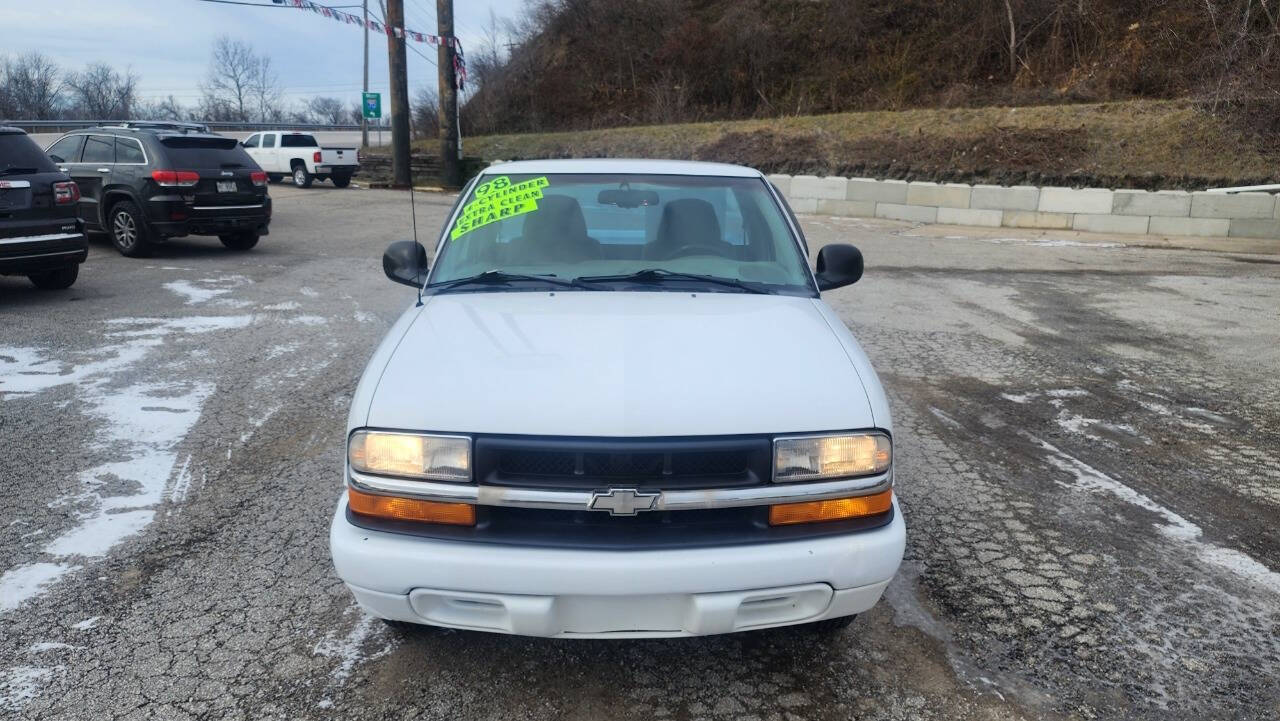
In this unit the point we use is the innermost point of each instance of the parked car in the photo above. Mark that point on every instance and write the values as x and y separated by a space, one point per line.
301 157
620 409
40 235
143 183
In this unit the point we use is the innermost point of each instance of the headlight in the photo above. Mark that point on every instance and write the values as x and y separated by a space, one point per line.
435 458
819 458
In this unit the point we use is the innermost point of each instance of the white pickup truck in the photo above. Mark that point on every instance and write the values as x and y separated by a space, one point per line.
619 407
300 155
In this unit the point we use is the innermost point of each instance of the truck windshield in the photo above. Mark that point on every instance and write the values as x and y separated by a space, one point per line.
614 231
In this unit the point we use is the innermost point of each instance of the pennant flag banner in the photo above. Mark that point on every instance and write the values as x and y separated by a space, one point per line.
459 65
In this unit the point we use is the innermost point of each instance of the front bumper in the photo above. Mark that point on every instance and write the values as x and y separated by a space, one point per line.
614 594
33 254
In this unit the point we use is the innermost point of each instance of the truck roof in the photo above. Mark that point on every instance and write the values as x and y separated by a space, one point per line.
623 165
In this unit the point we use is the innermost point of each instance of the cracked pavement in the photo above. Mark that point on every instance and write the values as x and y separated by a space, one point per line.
1087 445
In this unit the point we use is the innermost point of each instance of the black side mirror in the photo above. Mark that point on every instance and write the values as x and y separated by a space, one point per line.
838 265
406 262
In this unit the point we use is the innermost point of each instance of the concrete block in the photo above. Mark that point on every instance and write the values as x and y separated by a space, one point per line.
1075 200
897 211
965 216
803 205
1032 219
1238 205
1254 228
1111 223
809 186
880 191
950 195
1207 227
995 197
1176 203
864 208
782 183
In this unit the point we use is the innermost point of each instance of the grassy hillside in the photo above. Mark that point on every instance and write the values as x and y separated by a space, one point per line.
1142 144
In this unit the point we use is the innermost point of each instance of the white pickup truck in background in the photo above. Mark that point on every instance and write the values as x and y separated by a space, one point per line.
288 152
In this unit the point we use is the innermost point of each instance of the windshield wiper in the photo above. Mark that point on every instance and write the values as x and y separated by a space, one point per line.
657 275
19 171
499 277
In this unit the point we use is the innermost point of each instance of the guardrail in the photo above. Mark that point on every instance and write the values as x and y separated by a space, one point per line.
57 126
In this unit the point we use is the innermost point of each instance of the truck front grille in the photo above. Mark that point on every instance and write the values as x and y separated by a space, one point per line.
662 463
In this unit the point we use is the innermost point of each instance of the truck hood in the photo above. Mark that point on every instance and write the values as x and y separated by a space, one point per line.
622 364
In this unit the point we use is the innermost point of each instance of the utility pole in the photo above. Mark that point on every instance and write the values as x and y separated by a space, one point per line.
399 96
364 122
450 149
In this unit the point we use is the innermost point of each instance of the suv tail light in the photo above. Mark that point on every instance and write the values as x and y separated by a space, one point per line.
359 156
259 178
315 157
65 192
175 178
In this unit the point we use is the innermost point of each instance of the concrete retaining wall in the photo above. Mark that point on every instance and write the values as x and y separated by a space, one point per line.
1167 212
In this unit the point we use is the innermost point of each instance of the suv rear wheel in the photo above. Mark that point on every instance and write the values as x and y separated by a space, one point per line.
301 177
239 241
55 279
128 229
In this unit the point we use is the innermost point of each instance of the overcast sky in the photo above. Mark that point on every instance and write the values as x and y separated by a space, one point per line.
167 43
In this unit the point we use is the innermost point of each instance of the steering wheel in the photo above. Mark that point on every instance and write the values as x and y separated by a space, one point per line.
687 250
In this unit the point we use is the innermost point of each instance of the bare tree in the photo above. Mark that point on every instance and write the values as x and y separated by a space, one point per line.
101 92
240 85
265 89
425 116
167 109
327 110
30 87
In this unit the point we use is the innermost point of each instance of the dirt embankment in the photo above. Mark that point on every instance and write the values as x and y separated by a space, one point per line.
1136 144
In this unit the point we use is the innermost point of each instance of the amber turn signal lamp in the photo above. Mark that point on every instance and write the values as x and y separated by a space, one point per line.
837 509
410 509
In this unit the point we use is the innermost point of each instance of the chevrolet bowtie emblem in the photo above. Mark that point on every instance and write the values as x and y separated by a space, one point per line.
623 501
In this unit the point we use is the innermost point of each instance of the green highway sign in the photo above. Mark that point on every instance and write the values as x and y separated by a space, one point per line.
373 105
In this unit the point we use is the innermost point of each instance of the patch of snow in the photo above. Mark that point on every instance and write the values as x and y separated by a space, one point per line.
287 305
1020 398
1208 415
308 292
191 324
181 482
43 646
1176 526
349 649
20 684
1067 393
946 419
193 293
19 584
145 422
365 317
308 320
86 624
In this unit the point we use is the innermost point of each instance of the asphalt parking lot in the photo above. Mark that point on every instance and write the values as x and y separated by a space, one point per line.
1088 437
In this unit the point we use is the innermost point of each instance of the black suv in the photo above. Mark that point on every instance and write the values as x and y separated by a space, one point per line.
40 236
143 182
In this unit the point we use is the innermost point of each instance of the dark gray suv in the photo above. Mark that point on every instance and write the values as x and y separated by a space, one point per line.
40 236
142 183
